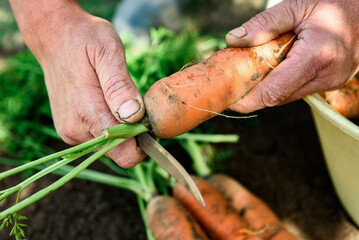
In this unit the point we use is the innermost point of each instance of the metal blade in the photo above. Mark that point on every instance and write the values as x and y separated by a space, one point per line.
169 163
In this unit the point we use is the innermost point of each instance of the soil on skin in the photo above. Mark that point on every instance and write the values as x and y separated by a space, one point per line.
278 157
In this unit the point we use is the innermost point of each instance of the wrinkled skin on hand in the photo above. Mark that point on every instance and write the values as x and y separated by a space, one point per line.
86 76
324 57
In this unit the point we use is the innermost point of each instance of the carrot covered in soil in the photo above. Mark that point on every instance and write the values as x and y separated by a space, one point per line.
169 220
180 102
253 210
218 219
346 99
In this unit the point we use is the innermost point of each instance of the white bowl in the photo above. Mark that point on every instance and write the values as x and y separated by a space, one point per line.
339 139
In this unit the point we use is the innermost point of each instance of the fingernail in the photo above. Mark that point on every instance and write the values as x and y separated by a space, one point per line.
128 109
238 32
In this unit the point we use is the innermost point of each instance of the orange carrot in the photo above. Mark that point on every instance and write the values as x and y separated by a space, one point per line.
260 217
169 220
346 99
218 219
180 102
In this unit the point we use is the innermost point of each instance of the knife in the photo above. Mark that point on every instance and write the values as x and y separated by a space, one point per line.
151 147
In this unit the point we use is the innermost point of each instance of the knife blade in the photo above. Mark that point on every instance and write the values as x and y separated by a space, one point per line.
151 147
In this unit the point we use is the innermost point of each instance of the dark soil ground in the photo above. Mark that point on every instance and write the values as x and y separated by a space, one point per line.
278 157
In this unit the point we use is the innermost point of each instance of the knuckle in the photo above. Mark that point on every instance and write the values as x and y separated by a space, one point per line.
309 71
101 122
83 118
75 128
325 59
67 133
292 11
127 154
263 19
272 96
267 17
109 47
102 51
128 164
293 7
115 84
88 123
309 74
334 84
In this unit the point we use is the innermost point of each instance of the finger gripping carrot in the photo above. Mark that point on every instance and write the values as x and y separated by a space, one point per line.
218 219
253 210
169 220
180 102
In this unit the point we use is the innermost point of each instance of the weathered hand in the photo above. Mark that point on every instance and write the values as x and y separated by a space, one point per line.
86 76
325 55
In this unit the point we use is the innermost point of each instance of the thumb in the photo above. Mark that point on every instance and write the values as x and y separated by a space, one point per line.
268 25
120 92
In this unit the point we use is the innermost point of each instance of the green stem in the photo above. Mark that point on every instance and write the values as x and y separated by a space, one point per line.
118 131
125 131
200 165
110 180
94 176
140 175
209 138
149 175
47 170
53 156
113 166
28 201
6 194
142 207
162 172
167 180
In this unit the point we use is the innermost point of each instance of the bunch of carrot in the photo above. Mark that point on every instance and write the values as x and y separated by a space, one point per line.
231 212
346 99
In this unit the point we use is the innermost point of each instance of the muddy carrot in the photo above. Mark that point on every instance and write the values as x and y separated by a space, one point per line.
260 217
218 219
346 99
169 220
180 102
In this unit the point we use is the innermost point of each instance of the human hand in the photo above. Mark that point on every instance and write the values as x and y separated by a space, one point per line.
324 57
86 77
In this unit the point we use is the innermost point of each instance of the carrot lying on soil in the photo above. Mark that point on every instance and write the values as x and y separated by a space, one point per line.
169 220
253 210
218 219
180 102
346 99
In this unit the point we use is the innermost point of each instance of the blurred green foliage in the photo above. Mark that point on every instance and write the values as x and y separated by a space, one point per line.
24 108
10 38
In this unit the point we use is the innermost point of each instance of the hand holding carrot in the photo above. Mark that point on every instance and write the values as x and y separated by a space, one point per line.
324 57
85 72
